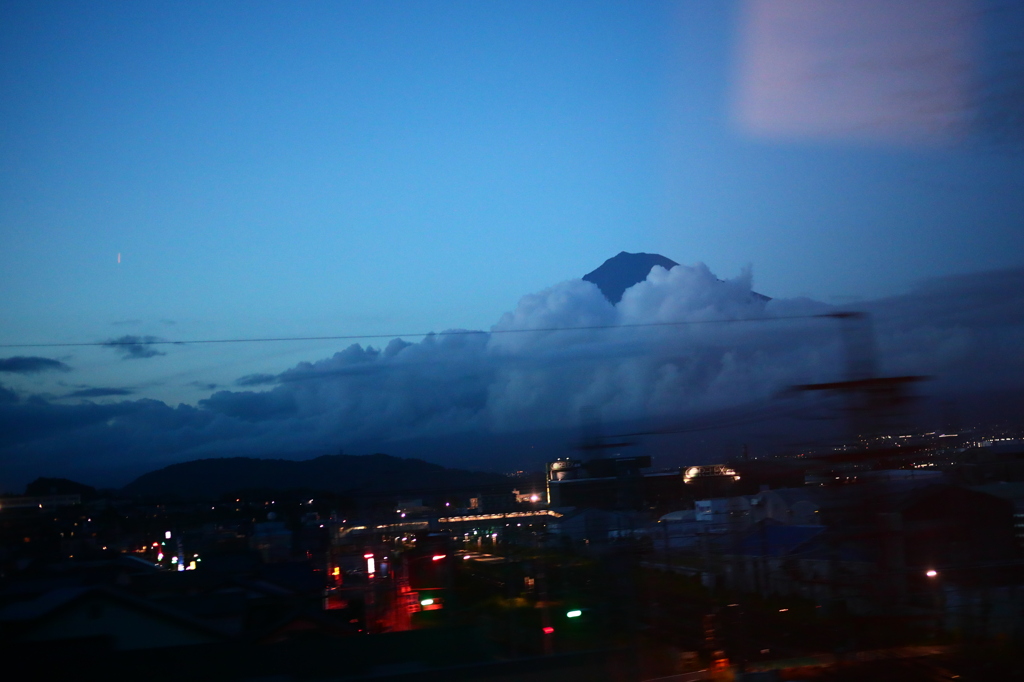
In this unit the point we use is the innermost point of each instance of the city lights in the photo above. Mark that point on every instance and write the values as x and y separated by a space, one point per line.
931 573
575 613
506 515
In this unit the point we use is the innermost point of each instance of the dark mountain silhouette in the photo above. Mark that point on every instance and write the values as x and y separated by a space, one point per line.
620 272
342 474
60 486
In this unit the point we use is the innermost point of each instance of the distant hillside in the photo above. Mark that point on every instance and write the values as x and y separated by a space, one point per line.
343 474
60 486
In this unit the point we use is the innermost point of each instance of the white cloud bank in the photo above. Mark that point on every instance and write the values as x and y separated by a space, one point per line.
966 331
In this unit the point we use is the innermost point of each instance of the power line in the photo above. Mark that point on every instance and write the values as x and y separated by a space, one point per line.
357 337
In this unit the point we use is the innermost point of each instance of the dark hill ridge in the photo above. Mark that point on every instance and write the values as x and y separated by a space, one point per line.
60 486
620 272
343 474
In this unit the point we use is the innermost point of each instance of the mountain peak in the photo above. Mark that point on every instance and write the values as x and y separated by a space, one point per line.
620 272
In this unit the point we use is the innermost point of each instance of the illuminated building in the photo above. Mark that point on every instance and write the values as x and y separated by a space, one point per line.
611 483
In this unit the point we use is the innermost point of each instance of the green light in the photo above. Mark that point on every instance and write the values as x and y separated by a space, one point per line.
426 602
575 613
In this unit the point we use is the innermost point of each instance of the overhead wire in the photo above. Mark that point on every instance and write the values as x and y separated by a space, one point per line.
356 337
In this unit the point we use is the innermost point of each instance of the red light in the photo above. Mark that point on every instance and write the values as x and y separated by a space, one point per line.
368 556
438 557
549 630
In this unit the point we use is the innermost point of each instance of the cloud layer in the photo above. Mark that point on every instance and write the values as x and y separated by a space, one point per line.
31 365
640 365
98 392
134 347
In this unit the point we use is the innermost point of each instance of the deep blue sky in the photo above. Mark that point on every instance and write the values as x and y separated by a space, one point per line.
358 167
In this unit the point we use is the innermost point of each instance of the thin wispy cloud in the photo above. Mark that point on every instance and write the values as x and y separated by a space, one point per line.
204 385
31 365
256 380
134 347
98 392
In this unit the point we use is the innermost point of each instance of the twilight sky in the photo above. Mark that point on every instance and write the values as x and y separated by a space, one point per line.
229 170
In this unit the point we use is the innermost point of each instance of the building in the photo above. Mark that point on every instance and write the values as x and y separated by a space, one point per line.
118 619
612 483
934 553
